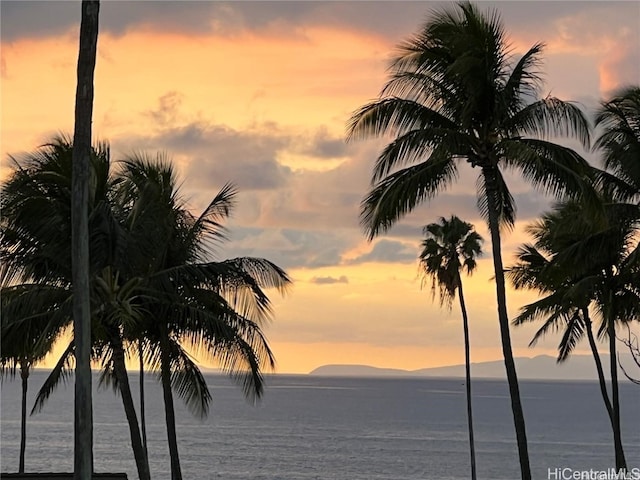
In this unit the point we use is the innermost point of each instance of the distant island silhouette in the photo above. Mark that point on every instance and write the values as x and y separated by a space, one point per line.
541 367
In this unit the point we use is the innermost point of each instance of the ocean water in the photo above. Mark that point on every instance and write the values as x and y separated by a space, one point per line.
309 427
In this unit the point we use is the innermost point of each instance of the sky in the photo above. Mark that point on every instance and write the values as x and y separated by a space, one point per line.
259 94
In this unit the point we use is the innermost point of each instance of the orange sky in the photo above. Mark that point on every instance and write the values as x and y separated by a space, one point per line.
259 94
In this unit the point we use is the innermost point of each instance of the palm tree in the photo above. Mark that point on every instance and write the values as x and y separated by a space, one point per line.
620 144
446 243
24 343
83 417
36 228
217 308
149 260
455 94
562 266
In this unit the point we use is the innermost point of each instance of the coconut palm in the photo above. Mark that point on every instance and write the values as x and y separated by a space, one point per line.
36 229
456 94
619 143
24 342
446 243
216 308
562 266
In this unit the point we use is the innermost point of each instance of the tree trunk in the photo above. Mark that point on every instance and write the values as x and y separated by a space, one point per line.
613 359
83 418
467 365
491 186
596 357
170 417
24 376
139 453
143 422
615 422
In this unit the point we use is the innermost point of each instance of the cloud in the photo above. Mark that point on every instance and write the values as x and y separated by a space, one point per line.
287 248
329 280
325 145
168 108
40 19
216 153
387 251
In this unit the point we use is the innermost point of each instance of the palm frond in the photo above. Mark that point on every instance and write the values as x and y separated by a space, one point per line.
400 192
573 333
550 117
550 167
60 372
419 146
620 139
525 78
395 116
188 382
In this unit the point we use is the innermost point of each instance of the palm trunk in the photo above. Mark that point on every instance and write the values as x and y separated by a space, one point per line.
491 189
83 416
617 433
143 422
24 376
170 417
617 442
139 453
467 365
596 357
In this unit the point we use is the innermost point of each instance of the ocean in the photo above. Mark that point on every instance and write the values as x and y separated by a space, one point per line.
322 428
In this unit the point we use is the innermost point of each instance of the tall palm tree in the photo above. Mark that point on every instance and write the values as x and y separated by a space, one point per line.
36 228
619 143
217 308
455 94
563 267
83 417
446 243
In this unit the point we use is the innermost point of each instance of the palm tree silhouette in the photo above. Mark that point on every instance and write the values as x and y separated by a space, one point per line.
35 240
455 94
563 267
189 299
446 243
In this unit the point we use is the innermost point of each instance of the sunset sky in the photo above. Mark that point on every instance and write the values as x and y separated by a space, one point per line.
259 94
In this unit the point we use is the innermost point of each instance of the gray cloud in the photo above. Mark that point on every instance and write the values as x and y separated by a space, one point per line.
45 18
329 280
288 248
391 19
326 146
388 251
218 154
19 19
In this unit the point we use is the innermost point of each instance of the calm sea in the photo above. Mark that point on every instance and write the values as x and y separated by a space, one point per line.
336 428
